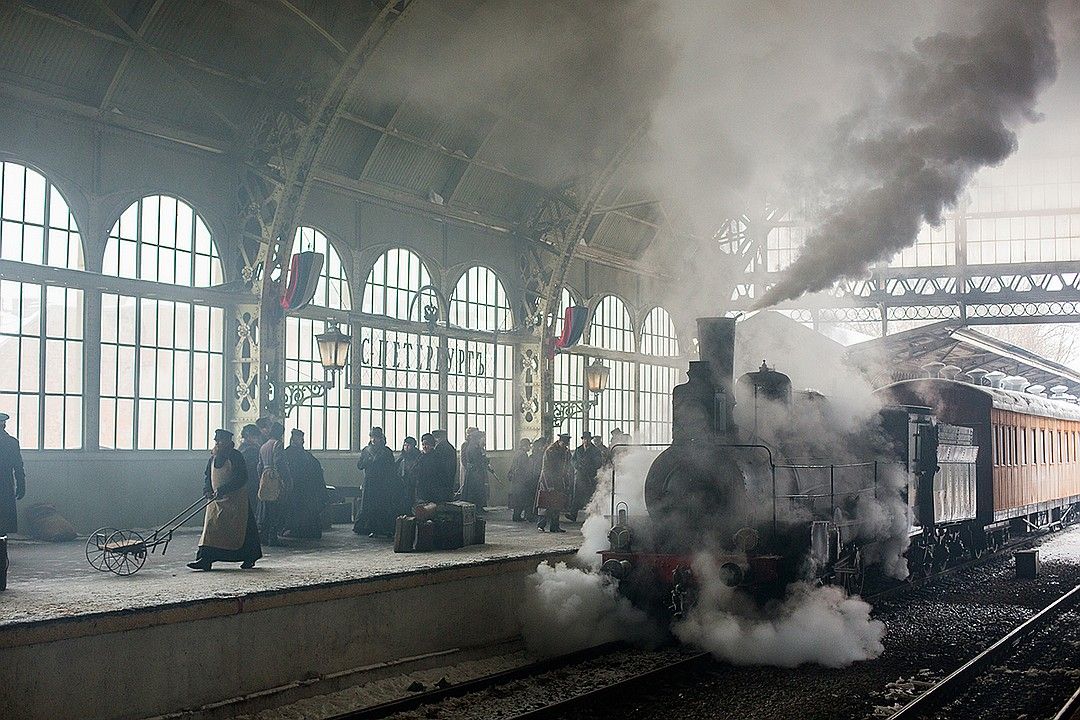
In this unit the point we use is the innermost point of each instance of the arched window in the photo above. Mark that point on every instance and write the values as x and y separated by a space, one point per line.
612 329
569 372
658 336
41 327
655 381
393 286
399 371
162 361
326 421
480 374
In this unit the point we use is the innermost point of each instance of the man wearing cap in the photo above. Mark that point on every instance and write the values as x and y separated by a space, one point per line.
521 495
12 478
477 467
554 483
587 461
303 519
431 478
251 439
229 530
381 487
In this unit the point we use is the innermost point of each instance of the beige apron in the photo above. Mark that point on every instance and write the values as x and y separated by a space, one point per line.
226 517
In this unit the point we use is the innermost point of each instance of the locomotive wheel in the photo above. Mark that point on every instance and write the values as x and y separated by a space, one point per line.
95 548
131 558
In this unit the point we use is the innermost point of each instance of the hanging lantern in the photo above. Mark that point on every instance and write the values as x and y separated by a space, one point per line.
333 348
596 376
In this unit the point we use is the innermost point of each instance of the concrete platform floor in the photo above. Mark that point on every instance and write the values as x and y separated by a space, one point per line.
48 581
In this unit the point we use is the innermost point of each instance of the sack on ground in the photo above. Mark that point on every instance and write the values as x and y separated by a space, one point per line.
47 524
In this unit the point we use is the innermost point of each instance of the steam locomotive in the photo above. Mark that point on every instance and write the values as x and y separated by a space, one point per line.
775 489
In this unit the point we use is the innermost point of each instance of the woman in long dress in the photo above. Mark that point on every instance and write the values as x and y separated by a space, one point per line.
229 530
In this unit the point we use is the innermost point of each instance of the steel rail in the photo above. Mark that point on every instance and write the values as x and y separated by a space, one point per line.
571 705
428 697
1071 709
960 679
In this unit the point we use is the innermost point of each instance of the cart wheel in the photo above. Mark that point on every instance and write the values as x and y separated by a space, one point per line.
95 548
125 552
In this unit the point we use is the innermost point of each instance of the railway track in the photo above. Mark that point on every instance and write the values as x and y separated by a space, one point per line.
956 684
625 686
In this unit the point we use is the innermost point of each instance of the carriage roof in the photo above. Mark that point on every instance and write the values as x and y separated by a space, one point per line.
1009 400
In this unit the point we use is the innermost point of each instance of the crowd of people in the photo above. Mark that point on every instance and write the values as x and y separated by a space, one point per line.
264 489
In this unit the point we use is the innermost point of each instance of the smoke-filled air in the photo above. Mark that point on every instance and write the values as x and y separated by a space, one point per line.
863 122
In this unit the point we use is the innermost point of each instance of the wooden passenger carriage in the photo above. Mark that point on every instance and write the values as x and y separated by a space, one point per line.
1028 466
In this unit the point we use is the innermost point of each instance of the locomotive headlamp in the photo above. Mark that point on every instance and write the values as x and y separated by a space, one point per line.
596 377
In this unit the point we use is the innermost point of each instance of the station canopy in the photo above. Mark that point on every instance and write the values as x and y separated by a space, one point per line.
910 354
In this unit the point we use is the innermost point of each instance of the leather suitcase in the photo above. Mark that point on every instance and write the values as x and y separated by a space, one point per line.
479 532
425 536
449 534
404 534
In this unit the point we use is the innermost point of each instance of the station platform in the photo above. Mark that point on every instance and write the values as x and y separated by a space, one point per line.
73 640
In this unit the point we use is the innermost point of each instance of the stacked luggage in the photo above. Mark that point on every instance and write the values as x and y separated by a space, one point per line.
442 526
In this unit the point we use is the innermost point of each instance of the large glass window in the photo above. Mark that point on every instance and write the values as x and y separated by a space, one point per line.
479 374
162 362
399 371
41 327
612 329
569 372
655 381
327 420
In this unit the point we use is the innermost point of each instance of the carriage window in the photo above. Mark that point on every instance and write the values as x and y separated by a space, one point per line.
41 327
162 362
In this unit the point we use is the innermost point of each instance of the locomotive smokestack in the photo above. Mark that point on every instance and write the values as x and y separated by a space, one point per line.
716 345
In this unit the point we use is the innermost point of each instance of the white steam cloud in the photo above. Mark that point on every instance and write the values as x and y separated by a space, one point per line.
569 609
819 625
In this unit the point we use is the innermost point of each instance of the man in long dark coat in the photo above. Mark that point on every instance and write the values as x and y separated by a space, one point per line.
587 461
432 481
522 491
229 530
382 488
407 470
552 494
251 439
304 517
477 468
12 478
447 460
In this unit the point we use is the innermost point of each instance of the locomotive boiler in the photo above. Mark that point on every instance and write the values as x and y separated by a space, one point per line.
725 489
771 490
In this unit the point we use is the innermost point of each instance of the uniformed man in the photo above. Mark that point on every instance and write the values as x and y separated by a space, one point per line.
12 478
587 461
554 484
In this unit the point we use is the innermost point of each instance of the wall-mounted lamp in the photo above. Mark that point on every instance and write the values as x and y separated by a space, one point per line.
333 355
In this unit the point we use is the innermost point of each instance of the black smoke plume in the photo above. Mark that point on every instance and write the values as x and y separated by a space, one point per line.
951 106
